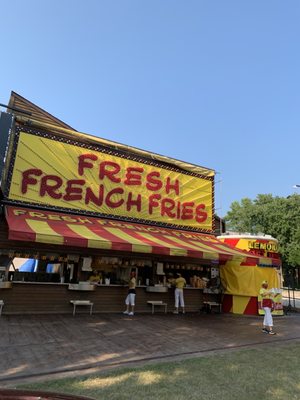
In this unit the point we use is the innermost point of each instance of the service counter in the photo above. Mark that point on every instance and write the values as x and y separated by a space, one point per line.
54 298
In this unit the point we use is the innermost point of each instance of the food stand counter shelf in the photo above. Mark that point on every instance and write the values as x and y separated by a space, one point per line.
211 290
157 289
85 286
5 285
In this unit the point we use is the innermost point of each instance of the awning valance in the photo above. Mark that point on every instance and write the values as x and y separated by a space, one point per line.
91 232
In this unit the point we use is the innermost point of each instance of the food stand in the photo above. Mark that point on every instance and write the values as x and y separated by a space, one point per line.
242 282
82 203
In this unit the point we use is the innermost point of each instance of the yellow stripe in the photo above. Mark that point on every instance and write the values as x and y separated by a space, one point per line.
94 241
178 252
138 246
44 233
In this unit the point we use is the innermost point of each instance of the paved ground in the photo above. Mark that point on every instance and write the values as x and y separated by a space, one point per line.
44 347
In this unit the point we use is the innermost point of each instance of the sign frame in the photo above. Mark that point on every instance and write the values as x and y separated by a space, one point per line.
107 150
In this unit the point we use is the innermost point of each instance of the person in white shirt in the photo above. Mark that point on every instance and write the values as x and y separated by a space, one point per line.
130 299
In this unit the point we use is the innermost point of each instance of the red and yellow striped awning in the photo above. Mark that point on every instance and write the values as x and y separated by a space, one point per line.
95 233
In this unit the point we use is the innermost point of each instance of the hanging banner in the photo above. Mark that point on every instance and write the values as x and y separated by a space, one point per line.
52 171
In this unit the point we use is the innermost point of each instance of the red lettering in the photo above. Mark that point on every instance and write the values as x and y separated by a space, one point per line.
153 202
187 210
134 203
28 180
109 169
178 213
51 189
82 164
152 183
133 176
201 215
91 197
172 186
112 204
72 192
167 206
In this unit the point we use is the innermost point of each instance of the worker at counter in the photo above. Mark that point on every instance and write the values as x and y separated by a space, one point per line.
180 282
96 277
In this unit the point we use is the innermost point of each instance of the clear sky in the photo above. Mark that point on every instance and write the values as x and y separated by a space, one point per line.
214 83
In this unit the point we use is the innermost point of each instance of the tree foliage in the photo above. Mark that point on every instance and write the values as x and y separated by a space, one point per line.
276 216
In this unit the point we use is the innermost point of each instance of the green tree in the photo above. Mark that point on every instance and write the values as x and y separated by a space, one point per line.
276 216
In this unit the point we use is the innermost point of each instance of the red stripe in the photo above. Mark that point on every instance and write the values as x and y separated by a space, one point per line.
20 230
224 258
231 242
195 254
227 303
22 235
252 307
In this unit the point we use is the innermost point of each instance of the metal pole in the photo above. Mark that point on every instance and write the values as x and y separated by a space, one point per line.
289 307
16 109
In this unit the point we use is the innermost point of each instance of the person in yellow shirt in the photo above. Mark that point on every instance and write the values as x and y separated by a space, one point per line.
95 277
267 304
180 282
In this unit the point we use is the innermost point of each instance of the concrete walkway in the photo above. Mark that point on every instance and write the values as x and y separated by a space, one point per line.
43 347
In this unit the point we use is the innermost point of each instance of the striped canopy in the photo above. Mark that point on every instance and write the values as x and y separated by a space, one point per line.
97 233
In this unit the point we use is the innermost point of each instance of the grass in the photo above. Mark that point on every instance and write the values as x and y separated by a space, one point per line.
265 373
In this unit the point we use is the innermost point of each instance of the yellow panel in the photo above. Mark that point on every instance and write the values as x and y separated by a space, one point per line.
239 304
178 252
246 280
44 233
141 248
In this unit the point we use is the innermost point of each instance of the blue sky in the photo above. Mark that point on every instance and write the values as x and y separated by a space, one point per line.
215 83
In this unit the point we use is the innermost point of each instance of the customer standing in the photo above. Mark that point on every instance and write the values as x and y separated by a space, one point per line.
180 282
267 305
130 299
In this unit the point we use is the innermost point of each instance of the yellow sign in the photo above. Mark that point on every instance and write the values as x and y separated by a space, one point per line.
262 247
50 172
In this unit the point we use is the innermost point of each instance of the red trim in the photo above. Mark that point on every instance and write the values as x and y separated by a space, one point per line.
227 303
252 307
231 242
